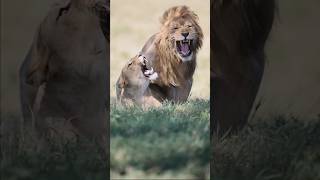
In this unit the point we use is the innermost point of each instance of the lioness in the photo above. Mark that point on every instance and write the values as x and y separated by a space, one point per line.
133 84
65 72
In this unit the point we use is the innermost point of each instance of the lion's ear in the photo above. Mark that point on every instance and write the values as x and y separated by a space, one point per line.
164 17
168 14
177 11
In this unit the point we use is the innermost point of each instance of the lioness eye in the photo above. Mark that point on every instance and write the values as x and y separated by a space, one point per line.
189 26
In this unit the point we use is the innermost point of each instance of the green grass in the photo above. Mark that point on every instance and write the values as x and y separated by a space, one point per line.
173 142
274 149
169 142
63 160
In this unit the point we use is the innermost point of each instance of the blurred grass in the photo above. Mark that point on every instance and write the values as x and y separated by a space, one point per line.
169 142
133 23
21 159
279 148
172 142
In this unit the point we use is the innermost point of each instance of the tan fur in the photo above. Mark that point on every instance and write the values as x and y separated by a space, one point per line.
64 75
175 75
132 86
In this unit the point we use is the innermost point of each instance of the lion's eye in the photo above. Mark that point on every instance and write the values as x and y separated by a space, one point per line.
175 28
189 26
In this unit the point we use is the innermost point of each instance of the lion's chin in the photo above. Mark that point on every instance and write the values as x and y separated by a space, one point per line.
184 49
185 58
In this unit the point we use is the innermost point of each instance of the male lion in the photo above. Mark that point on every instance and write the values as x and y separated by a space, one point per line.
65 72
172 53
239 32
133 84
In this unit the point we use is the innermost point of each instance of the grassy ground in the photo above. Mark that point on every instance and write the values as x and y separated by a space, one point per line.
170 142
276 149
62 156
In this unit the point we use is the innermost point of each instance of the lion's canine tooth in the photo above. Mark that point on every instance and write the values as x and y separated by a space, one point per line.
153 76
141 59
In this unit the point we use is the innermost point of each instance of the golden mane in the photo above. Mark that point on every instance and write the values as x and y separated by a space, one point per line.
173 71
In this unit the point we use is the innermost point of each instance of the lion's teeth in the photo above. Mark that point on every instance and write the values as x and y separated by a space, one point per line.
141 59
148 72
153 76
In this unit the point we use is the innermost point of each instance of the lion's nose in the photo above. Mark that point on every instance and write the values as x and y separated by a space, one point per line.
185 34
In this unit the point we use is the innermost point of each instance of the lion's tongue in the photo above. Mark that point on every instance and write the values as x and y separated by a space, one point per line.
185 49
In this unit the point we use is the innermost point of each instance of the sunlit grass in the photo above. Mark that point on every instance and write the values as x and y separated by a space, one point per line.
171 141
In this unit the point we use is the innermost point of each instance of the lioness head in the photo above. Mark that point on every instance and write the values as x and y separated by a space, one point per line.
134 79
180 27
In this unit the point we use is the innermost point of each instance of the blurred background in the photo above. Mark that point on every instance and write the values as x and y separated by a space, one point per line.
133 23
19 21
291 83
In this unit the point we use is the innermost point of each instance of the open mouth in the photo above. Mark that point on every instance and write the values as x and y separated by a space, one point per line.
184 47
144 67
148 72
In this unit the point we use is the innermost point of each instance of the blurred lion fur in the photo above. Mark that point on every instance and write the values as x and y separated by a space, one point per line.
239 29
64 72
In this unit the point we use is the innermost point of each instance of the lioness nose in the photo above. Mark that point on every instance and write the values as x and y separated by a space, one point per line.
185 34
